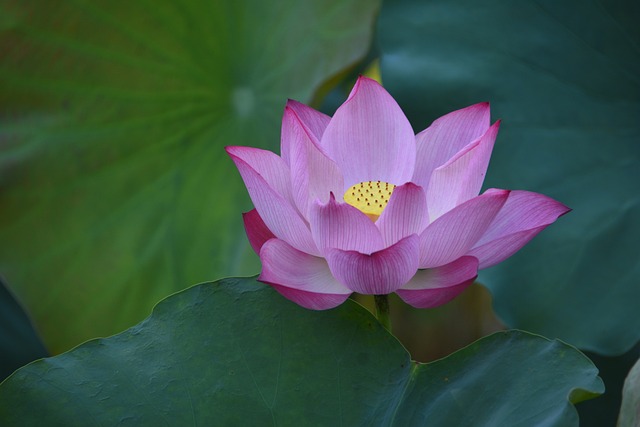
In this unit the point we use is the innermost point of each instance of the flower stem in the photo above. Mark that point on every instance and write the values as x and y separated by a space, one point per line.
382 310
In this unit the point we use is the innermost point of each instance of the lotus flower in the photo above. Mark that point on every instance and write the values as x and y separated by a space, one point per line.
358 203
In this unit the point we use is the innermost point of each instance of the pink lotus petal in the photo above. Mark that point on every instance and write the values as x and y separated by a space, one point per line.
341 226
277 212
316 249
313 175
257 231
311 300
454 233
405 214
313 120
370 138
446 136
300 277
460 179
268 165
521 218
436 286
379 273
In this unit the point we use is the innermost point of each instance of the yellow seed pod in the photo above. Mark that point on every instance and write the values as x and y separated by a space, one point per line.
370 197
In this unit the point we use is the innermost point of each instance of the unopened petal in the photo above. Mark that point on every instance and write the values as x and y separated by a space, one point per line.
436 286
522 217
300 277
460 179
405 214
379 273
447 136
313 175
278 213
370 138
454 233
257 231
341 226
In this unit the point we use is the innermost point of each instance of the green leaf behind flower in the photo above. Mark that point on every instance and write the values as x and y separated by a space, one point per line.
565 79
113 119
19 342
235 352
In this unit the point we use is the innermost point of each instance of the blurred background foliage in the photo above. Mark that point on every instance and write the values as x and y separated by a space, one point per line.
115 190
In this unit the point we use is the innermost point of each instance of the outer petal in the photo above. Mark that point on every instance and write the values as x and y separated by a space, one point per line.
454 233
313 175
379 273
405 214
311 300
521 218
341 226
257 231
268 165
460 179
370 138
446 136
437 286
277 212
302 278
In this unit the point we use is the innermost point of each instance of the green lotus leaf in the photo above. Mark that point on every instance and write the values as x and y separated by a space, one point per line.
235 352
564 79
113 119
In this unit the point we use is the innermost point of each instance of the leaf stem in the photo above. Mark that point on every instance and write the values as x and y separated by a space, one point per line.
382 310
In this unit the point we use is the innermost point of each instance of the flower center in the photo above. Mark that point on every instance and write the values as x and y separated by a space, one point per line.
371 197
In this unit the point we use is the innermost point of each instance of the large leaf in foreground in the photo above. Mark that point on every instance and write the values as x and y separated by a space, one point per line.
565 79
113 118
236 353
